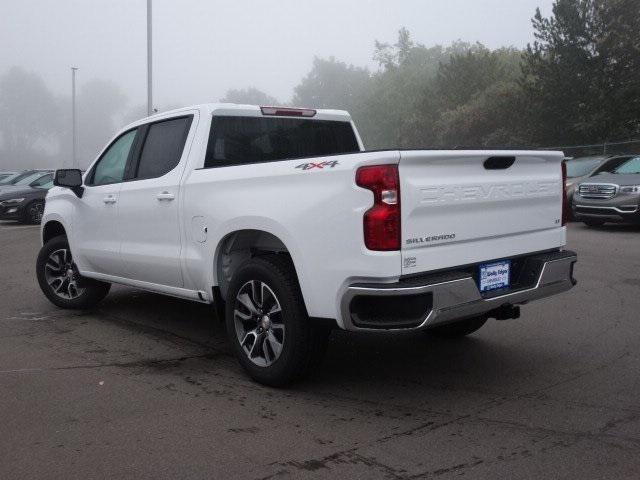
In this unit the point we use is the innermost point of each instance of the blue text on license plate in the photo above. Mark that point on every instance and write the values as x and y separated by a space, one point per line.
494 275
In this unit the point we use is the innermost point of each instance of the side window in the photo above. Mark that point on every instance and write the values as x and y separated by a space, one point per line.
163 147
42 181
110 168
631 166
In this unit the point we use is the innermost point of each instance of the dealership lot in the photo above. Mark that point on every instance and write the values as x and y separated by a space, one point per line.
146 387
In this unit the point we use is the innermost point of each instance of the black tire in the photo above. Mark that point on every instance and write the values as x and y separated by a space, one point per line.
88 292
303 342
458 329
594 223
33 212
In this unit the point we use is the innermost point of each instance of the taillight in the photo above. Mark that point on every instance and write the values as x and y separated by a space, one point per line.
565 200
382 221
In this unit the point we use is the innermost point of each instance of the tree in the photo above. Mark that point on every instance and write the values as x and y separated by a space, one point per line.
491 118
335 84
332 84
406 104
250 96
29 114
619 51
469 73
401 106
392 56
578 74
480 100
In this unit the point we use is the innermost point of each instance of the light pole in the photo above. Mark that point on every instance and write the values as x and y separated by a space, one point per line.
74 118
149 61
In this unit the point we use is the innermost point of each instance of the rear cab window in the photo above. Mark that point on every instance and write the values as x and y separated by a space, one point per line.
236 140
163 146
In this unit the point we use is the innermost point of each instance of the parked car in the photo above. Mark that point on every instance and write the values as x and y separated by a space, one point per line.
610 197
27 179
14 177
280 219
26 205
5 175
580 168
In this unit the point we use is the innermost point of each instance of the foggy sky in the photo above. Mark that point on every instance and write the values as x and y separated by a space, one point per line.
202 48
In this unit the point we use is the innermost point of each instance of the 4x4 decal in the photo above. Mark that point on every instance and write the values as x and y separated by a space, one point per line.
320 165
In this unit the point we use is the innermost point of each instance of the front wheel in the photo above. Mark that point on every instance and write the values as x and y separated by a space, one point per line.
60 280
267 323
33 212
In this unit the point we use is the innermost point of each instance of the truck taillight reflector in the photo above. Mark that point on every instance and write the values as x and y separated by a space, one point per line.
288 112
382 221
565 200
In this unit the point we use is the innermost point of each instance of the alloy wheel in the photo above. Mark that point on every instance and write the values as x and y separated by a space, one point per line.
62 275
35 212
258 321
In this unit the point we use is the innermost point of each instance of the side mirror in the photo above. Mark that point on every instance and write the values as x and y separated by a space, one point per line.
70 178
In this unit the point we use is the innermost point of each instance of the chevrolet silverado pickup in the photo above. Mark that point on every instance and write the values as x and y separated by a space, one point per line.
280 219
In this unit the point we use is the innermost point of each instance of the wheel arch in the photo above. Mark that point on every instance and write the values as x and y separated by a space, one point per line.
52 229
241 244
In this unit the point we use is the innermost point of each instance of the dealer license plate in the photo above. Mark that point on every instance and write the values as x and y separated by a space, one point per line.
494 275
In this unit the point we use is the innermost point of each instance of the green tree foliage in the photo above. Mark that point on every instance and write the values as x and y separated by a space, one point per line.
250 96
332 84
579 75
402 108
619 33
577 83
416 97
479 99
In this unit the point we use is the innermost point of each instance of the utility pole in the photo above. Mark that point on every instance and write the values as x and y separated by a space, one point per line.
74 118
149 60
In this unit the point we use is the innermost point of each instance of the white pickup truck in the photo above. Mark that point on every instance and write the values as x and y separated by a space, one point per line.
281 219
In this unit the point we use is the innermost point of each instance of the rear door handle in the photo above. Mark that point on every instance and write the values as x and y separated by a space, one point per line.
165 196
109 199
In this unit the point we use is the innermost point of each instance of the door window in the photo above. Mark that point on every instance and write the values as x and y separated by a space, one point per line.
111 166
163 147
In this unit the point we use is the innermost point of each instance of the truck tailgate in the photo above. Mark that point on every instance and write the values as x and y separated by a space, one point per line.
463 207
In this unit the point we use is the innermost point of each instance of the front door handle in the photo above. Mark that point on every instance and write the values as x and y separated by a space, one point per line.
165 196
109 199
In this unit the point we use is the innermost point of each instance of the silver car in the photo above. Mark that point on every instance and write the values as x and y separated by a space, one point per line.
581 168
610 197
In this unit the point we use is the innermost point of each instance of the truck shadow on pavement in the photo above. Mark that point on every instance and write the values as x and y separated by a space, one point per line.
362 363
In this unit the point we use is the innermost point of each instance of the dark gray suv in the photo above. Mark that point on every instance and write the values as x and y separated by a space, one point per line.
610 197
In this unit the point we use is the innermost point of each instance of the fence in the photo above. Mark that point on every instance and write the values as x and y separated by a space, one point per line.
609 148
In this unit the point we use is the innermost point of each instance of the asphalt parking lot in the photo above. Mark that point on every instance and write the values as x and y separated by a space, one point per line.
145 387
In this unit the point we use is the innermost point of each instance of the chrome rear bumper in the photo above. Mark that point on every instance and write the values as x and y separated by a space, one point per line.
451 296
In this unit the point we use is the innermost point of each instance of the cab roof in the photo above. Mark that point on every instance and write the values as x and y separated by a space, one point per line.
234 109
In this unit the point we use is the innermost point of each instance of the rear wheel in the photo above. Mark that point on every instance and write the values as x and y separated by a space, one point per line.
33 212
60 280
267 323
594 223
458 329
